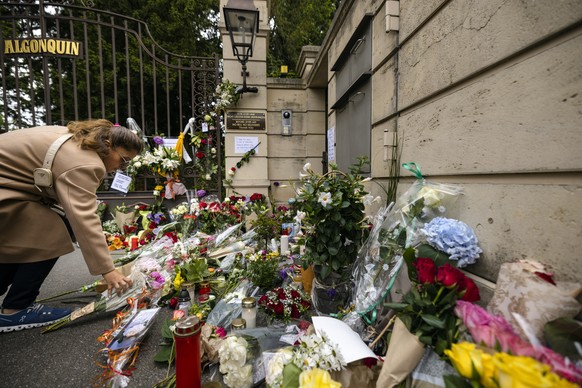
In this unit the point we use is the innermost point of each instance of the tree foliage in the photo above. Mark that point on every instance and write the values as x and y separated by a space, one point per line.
294 24
183 27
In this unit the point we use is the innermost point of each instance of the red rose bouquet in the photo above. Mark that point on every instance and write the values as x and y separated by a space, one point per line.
427 310
284 303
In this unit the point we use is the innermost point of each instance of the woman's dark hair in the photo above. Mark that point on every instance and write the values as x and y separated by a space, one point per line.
94 134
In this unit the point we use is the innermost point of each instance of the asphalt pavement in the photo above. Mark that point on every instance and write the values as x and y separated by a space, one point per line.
69 357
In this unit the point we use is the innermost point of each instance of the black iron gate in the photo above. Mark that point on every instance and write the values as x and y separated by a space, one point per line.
61 62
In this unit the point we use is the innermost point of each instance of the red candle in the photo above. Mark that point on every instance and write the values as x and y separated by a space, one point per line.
134 242
204 291
188 365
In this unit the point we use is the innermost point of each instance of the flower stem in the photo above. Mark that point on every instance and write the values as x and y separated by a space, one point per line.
438 294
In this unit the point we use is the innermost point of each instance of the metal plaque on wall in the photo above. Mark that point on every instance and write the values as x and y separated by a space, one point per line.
245 120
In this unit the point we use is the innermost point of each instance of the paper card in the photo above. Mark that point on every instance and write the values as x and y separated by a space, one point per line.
244 144
135 329
331 144
170 142
121 182
349 343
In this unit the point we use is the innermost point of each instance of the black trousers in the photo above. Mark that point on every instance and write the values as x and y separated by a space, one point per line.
24 280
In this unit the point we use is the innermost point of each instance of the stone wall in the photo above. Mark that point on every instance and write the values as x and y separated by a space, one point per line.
486 95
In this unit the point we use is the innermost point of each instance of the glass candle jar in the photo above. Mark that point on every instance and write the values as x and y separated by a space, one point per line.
249 312
238 324
204 291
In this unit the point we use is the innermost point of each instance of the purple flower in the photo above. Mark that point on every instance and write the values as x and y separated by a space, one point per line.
276 184
158 140
283 273
201 193
331 293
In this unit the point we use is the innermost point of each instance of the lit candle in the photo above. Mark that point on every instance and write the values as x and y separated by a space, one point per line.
284 244
134 242
249 312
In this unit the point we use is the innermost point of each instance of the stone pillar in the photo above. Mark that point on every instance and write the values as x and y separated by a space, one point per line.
246 122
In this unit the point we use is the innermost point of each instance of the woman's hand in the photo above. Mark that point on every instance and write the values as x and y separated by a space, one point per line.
116 281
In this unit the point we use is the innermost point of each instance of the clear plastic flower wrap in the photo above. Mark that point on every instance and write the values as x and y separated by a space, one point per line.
229 307
395 228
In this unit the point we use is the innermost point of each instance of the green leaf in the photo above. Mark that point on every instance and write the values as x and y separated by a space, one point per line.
433 321
409 256
291 374
455 381
325 271
164 354
561 335
395 306
439 258
166 331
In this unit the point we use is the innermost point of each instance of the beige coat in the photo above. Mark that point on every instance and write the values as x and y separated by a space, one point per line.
29 230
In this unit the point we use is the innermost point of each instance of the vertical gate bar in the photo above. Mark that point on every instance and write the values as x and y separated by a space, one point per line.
127 64
180 93
192 86
60 77
47 96
74 61
4 96
168 126
141 80
31 78
87 72
155 89
16 78
114 49
101 77
193 108
217 80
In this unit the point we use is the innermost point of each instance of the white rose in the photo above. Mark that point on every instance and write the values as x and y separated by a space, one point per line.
431 196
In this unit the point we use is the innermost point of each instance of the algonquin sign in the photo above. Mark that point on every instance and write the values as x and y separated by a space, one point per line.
68 48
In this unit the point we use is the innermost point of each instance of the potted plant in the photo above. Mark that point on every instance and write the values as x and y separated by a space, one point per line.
334 227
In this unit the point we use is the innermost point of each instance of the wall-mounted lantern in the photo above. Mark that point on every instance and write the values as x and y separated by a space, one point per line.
242 23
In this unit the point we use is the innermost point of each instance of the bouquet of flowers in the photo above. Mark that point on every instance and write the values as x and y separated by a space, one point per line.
425 316
106 302
334 223
427 310
284 303
313 353
235 356
396 228
499 369
494 332
263 269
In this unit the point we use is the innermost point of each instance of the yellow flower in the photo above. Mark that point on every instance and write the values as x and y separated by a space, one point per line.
461 356
115 244
178 281
521 371
471 362
317 378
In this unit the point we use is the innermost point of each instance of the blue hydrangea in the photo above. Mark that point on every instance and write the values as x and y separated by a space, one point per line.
453 237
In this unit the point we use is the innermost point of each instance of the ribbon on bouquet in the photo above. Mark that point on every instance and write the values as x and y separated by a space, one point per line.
413 168
174 187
